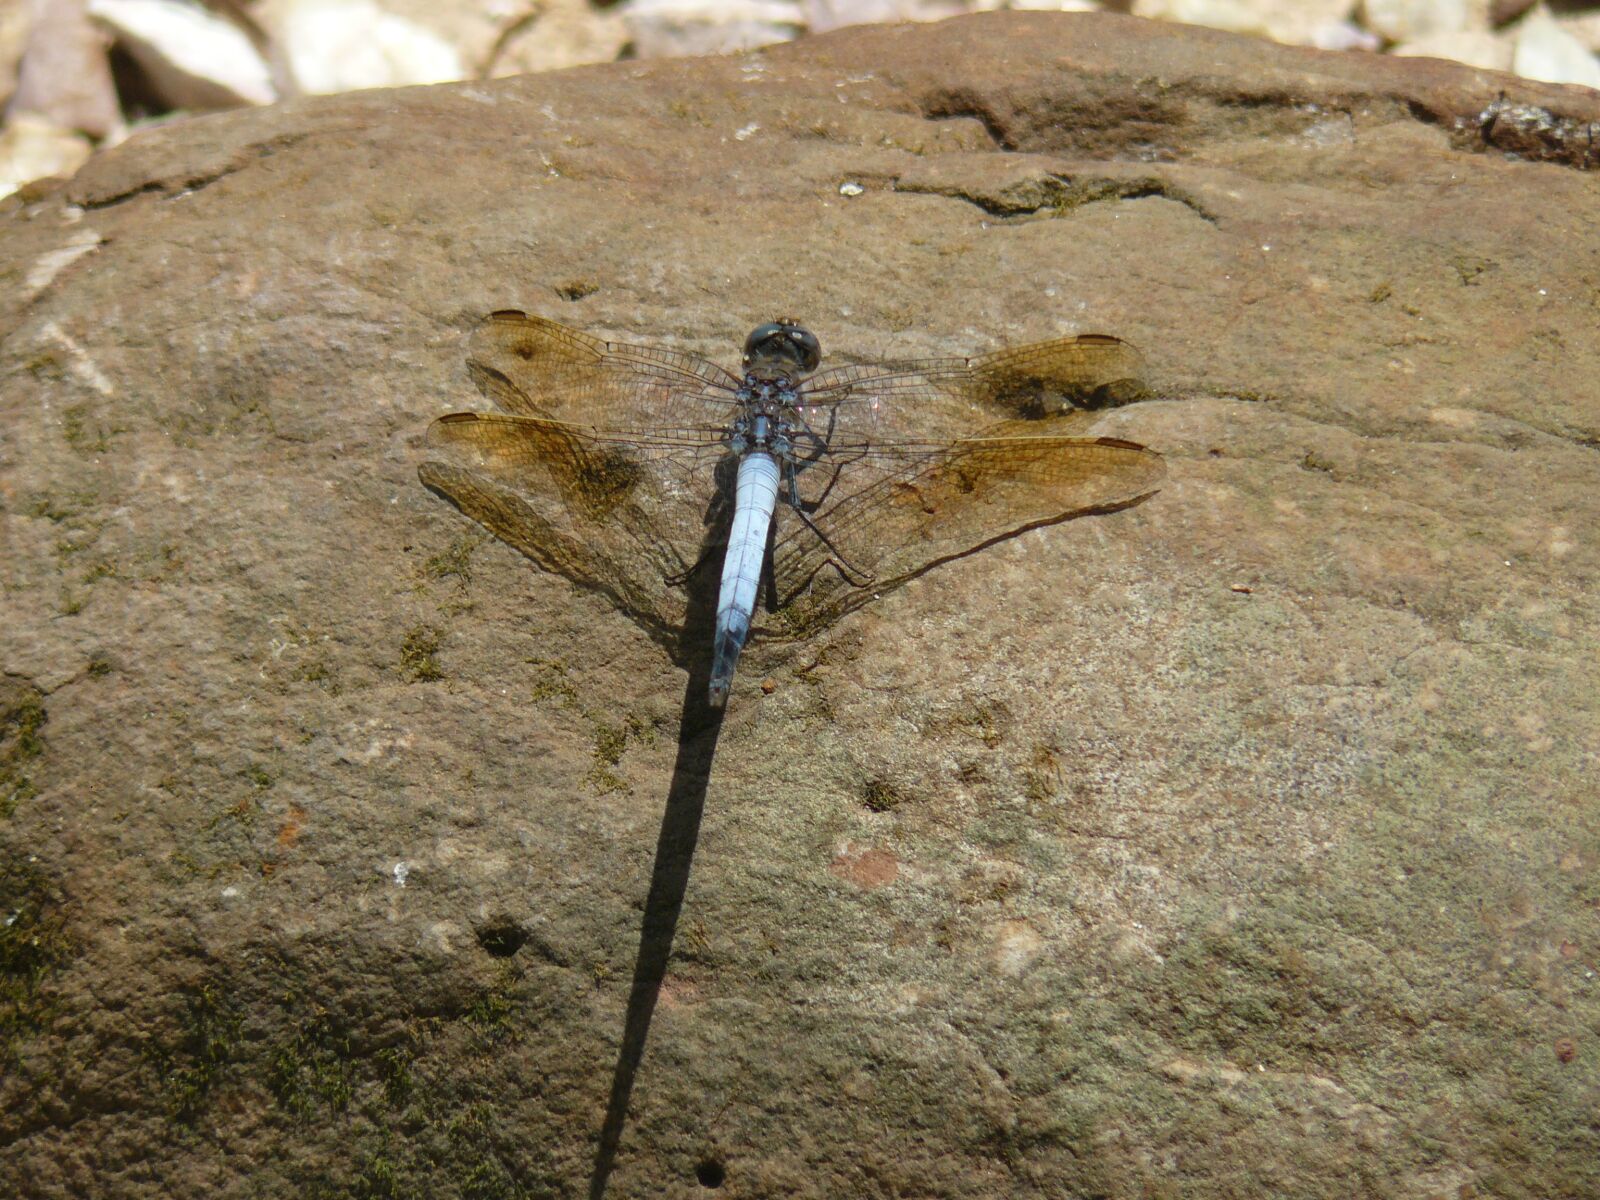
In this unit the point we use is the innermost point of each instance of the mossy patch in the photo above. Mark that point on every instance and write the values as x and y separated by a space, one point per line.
552 681
34 943
22 720
423 1112
882 795
192 1064
455 562
85 433
609 743
314 1070
419 651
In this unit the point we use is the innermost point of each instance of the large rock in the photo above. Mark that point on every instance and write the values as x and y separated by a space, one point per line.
1238 844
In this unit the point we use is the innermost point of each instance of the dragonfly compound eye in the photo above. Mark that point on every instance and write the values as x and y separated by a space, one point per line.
785 342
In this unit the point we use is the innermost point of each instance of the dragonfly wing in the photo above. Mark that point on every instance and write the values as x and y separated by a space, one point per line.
908 507
1089 370
540 368
628 514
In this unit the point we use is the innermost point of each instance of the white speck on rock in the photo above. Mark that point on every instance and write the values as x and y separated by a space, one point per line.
400 871
851 189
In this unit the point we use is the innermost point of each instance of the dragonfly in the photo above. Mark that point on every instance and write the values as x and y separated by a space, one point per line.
633 469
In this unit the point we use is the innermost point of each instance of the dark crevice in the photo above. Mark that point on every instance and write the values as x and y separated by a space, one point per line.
1421 113
165 187
962 105
1054 195
710 1173
194 183
131 193
502 937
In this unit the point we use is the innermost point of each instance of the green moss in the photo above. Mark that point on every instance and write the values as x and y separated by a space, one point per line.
552 682
58 509
377 1178
492 1013
317 671
606 783
22 718
609 743
102 568
394 1073
456 561
314 1070
45 365
207 1044
1469 267
84 435
33 944
418 654
880 796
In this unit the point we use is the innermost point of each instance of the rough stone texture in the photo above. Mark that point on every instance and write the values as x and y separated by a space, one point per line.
1240 844
56 57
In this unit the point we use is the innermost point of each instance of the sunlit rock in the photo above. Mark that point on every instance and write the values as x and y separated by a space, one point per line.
58 56
192 58
345 45
1407 20
1310 23
1546 51
32 147
675 28
1476 48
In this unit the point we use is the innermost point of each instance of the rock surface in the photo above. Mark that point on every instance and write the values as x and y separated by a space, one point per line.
1239 844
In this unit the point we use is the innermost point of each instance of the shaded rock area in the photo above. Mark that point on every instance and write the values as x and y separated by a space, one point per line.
1243 843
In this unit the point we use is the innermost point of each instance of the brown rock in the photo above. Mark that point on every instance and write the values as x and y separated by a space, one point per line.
64 76
556 35
1310 841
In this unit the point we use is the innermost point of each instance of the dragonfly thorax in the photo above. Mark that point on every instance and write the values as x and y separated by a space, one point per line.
765 423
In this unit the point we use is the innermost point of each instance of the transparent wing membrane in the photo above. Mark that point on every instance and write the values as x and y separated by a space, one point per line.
610 463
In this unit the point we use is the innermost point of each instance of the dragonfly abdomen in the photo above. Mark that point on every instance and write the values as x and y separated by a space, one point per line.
756 492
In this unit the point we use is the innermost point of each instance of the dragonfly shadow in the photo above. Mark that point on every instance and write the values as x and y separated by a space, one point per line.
699 731
601 458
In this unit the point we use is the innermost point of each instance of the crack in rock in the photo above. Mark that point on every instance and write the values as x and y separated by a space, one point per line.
1054 194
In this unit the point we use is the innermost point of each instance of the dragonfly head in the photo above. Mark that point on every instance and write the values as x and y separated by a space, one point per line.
782 345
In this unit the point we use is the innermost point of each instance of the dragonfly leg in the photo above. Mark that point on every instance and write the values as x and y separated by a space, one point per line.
820 446
679 578
853 574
